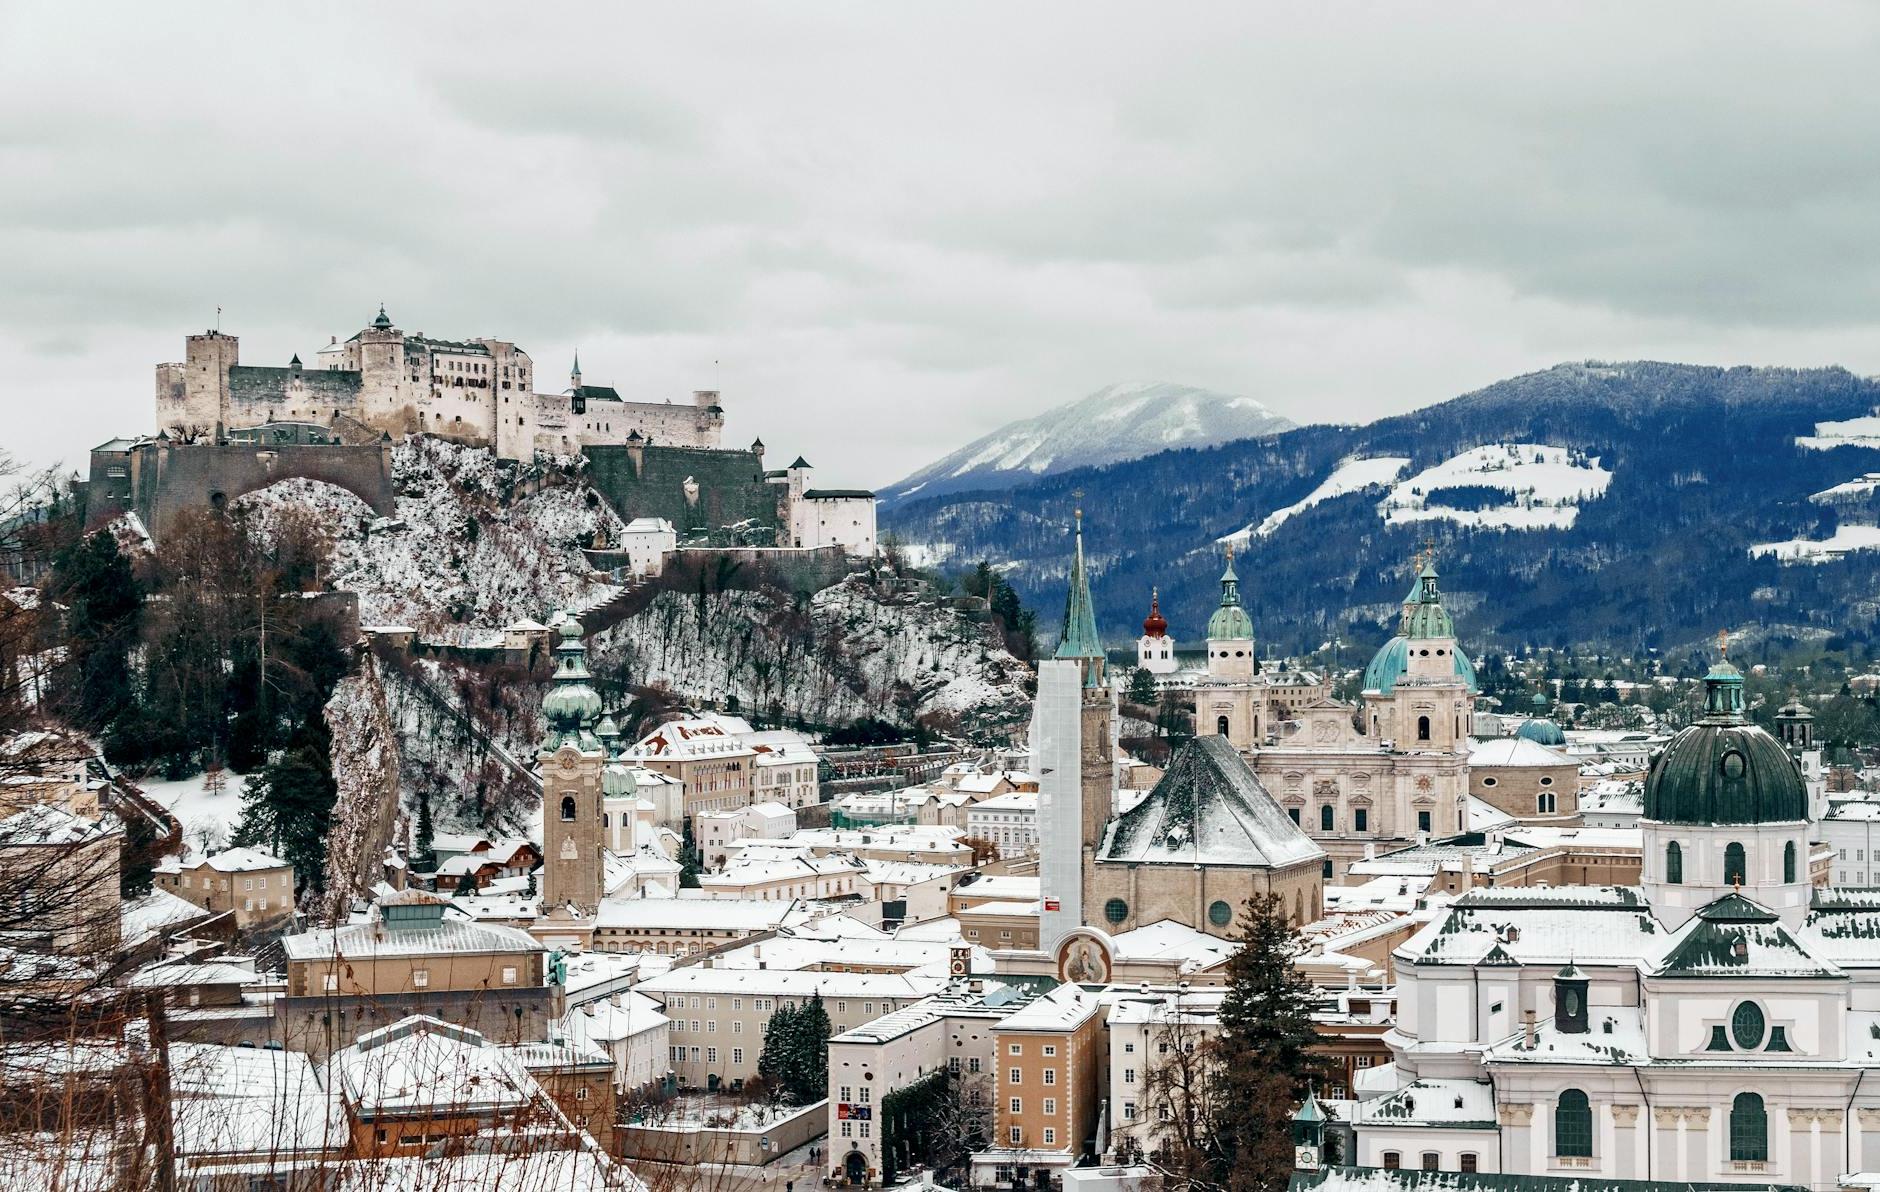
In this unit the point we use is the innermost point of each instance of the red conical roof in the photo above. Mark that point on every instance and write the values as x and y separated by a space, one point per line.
1153 625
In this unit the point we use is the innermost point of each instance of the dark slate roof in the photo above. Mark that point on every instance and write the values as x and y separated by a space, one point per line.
1376 1179
1716 772
597 393
831 494
1733 937
799 462
1208 809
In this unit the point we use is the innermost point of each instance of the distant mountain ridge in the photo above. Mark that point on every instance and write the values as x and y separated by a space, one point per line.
1589 503
1116 423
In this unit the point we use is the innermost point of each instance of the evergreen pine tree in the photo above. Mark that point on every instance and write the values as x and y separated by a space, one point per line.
1265 1057
688 862
103 606
287 808
776 1060
1142 687
809 1079
424 844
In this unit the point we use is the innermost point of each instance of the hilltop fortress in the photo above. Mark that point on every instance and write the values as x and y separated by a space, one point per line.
478 391
225 428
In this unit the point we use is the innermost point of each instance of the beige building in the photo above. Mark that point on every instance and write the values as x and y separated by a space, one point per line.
251 885
408 959
718 1016
1049 1073
708 755
1526 780
63 870
757 874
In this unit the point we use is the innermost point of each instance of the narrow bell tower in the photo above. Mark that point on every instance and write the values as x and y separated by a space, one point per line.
572 759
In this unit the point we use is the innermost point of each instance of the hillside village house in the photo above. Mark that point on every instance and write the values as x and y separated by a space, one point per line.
1008 821
255 887
714 831
708 755
687 926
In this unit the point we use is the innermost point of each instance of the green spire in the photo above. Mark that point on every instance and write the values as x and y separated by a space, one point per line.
1427 618
1078 640
384 321
572 705
1230 622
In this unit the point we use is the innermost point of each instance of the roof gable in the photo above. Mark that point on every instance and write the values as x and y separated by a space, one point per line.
1208 808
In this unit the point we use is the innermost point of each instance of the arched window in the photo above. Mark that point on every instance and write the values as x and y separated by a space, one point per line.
1220 726
1788 861
1674 864
1423 728
1749 1129
567 807
1735 865
1573 1124
1325 817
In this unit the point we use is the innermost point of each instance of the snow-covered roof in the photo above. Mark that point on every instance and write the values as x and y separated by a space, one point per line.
791 983
1515 753
1169 940
1062 1009
208 972
47 824
1208 809
1002 885
712 914
229 1101
1009 801
372 940
1452 1104
703 736
422 1063
1523 925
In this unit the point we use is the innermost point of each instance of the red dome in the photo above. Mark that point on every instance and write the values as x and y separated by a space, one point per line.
1153 625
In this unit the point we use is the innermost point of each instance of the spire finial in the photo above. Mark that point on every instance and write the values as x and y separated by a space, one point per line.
1723 642
1230 554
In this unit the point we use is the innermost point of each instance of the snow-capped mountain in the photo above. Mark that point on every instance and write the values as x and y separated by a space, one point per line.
1116 423
1638 504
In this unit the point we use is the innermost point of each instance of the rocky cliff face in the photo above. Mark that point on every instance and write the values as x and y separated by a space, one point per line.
845 652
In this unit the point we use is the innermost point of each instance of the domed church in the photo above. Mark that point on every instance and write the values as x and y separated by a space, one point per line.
1714 1024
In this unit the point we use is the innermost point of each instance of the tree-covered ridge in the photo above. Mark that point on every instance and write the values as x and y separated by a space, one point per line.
1703 462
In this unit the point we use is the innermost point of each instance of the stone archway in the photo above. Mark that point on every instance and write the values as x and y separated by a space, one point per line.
855 1168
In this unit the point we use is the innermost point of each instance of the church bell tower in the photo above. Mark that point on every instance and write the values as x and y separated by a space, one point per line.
572 759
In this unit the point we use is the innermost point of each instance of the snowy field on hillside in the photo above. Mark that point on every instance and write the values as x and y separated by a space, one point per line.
1545 487
1862 486
208 819
1350 476
1854 432
1822 550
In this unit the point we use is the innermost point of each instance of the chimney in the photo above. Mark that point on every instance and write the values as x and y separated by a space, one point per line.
1527 1029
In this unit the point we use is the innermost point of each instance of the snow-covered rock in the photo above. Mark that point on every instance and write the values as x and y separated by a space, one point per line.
476 543
848 652
1117 422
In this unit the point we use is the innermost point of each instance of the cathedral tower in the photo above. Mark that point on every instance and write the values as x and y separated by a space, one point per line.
572 759
1079 641
1155 649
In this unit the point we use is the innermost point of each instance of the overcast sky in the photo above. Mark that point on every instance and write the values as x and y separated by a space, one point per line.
883 229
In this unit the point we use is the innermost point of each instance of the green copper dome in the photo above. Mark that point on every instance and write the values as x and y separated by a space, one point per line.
571 705
617 781
1230 622
1392 662
1542 732
1723 769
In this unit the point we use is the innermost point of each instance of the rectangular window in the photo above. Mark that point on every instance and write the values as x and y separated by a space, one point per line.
1014 1049
1050 1075
864 1129
1017 1106
972 1063
1423 821
332 982
711 1055
1050 1106
1016 1135
1129 1076
1129 1111
420 978
737 1055
1361 819
1050 1136
1432 1161
1016 1076
862 1097
1050 1049
845 1093
848 1128
1392 1160
509 975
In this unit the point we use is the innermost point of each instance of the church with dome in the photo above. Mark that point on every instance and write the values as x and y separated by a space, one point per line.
1715 1023
1389 771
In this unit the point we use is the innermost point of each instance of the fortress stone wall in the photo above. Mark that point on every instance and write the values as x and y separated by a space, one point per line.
695 490
158 479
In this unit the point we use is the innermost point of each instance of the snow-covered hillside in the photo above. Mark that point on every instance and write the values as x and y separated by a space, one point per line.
1117 422
1849 432
1822 550
1545 486
1350 476
475 545
848 652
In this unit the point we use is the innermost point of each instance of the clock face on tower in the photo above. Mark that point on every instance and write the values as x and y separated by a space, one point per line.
1306 1158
